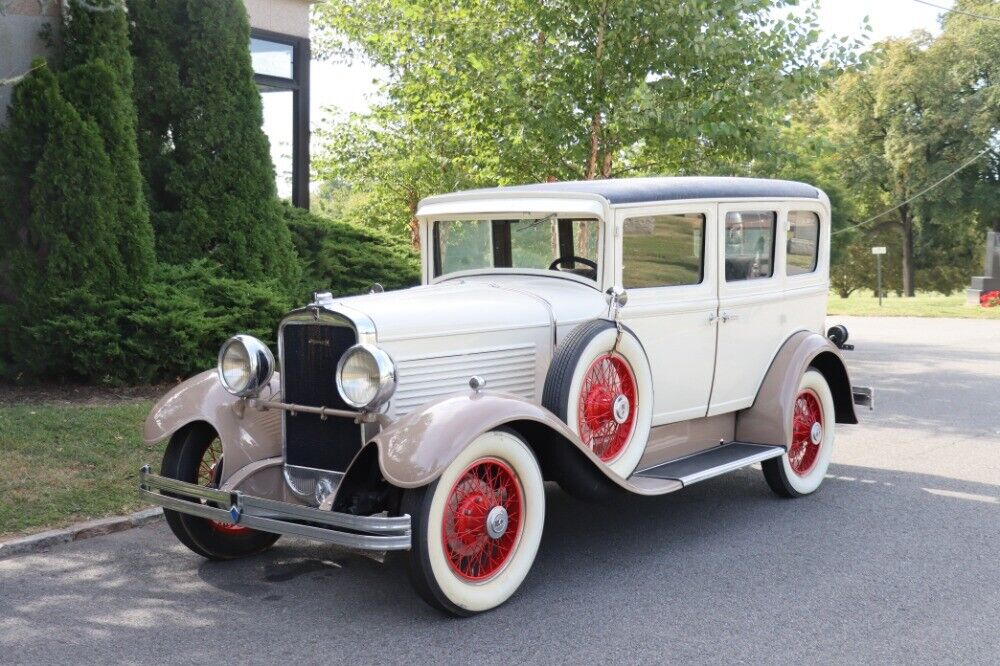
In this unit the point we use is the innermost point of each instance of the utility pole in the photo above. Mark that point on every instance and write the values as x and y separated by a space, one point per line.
878 252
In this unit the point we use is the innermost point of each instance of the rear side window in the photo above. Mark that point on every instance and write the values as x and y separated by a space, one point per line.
749 238
803 242
663 250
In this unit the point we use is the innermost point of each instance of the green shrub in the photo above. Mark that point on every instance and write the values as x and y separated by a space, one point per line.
345 258
169 329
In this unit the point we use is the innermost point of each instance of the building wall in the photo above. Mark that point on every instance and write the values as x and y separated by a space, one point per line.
290 17
21 21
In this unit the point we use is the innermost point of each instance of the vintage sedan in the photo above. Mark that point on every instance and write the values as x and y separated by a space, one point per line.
631 335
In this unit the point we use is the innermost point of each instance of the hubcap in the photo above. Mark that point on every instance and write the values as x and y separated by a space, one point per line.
621 409
496 522
816 433
482 521
807 433
606 412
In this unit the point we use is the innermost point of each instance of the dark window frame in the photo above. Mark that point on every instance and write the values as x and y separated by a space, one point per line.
299 87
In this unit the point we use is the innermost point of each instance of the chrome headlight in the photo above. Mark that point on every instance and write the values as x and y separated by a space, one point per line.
245 365
366 376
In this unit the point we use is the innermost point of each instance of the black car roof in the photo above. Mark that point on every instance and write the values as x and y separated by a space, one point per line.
667 188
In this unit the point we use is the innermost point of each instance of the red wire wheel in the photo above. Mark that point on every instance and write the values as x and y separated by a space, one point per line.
607 407
807 433
210 475
482 520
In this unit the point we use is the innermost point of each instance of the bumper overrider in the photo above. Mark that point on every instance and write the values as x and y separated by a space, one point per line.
378 533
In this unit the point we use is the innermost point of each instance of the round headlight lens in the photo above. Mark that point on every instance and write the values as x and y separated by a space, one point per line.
366 376
245 365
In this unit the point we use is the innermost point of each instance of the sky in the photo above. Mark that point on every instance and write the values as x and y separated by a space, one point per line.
347 87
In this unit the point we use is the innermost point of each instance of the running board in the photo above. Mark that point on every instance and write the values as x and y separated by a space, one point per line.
713 462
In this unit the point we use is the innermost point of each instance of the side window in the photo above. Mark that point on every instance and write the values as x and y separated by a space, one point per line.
663 250
749 238
803 242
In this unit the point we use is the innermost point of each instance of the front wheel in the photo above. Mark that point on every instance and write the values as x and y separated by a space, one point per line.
194 455
803 467
476 529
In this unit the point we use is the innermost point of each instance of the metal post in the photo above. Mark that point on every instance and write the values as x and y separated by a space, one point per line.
878 251
878 271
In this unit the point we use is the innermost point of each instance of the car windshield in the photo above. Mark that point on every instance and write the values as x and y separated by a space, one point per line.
560 244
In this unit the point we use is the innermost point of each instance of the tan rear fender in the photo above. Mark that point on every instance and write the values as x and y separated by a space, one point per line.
416 449
769 419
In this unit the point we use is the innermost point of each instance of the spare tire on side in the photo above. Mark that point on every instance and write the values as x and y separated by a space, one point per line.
604 392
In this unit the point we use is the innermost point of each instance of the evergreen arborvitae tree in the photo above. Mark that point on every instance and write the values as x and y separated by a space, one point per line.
97 30
97 80
94 92
211 178
21 145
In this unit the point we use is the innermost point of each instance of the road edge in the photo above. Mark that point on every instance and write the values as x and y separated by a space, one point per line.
85 530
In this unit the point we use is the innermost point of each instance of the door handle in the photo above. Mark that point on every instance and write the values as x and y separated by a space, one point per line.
712 317
728 316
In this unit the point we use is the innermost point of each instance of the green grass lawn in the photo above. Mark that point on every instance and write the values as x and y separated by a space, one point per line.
61 464
864 304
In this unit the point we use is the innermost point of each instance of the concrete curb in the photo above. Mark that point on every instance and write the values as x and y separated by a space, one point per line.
85 530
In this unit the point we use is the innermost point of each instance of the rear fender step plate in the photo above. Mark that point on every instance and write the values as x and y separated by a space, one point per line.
712 462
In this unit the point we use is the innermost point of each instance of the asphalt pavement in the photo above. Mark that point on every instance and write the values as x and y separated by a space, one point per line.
894 560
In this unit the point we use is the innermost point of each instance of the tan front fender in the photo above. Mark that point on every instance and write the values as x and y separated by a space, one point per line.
416 449
248 435
769 419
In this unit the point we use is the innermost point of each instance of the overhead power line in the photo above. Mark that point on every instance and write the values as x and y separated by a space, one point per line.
917 195
959 11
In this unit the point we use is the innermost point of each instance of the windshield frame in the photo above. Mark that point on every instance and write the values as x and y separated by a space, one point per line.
430 249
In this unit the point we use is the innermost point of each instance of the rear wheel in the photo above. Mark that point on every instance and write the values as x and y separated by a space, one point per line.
803 467
194 455
476 529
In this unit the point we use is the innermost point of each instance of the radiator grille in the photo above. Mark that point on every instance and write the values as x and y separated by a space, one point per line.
426 378
308 377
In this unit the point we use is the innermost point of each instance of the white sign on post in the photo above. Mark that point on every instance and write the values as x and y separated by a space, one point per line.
878 250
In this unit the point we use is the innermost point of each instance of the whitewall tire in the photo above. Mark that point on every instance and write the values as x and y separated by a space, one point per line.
604 396
801 470
476 529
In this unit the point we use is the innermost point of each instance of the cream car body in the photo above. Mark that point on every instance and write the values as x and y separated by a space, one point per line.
707 361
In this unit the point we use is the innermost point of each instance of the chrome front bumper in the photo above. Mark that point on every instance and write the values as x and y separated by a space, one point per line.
380 533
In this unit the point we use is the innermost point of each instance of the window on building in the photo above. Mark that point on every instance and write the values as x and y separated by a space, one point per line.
663 250
281 71
749 238
803 242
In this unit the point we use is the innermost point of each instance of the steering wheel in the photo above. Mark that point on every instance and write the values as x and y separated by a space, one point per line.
554 266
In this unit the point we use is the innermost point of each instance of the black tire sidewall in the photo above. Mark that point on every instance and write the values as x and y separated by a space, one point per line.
181 461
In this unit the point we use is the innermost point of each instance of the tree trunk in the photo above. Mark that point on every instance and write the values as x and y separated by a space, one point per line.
412 199
596 128
906 217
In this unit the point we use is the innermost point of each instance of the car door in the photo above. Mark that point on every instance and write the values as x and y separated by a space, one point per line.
752 320
667 264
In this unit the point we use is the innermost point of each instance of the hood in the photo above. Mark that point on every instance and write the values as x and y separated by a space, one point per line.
478 304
